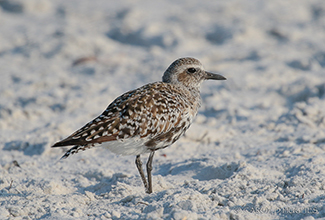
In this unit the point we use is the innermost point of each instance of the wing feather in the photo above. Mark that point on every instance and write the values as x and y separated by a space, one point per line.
153 112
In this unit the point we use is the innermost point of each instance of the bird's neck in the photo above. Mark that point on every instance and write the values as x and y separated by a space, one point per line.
193 96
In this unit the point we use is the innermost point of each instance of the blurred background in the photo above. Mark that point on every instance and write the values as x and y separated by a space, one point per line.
62 62
64 57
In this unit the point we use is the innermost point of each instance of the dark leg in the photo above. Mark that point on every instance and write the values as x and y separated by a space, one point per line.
149 169
139 166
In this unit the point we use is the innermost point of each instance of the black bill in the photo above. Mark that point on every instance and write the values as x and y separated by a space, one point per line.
214 76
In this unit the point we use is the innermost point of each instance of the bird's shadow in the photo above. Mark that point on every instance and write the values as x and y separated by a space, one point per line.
105 185
200 169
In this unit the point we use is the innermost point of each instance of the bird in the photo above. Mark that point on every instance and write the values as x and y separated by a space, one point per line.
148 118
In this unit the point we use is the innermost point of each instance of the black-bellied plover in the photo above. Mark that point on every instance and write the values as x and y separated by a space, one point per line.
146 119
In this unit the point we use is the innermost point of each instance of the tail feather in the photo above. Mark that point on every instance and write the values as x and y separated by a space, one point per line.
67 142
75 150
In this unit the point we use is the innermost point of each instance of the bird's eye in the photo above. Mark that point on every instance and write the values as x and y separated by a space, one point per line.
191 70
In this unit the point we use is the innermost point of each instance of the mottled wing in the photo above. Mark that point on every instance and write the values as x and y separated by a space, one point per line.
158 114
153 112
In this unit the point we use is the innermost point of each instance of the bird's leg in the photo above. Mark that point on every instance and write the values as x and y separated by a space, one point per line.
149 169
139 166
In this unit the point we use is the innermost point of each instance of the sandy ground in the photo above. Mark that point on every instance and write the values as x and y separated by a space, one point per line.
255 151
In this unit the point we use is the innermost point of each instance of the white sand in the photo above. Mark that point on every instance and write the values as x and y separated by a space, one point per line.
255 151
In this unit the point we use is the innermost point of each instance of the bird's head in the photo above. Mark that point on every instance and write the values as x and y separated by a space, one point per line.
188 72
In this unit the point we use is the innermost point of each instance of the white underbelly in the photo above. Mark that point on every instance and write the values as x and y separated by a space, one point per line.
130 146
